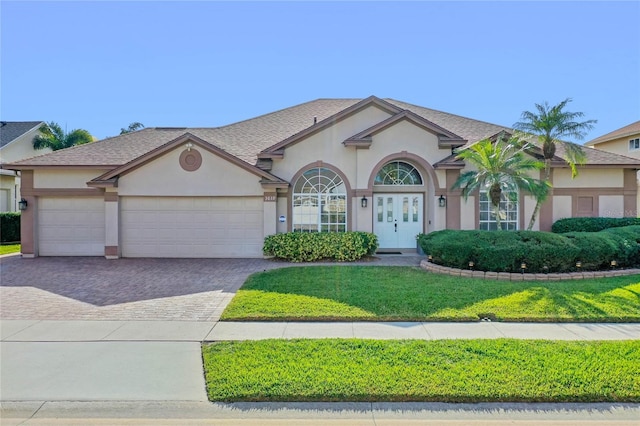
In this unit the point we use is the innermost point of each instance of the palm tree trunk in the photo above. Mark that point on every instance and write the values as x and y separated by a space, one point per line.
496 210
536 210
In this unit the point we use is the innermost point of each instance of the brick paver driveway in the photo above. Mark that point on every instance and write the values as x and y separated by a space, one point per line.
93 288
125 289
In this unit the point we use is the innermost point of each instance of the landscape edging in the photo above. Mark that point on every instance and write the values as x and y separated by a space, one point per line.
509 276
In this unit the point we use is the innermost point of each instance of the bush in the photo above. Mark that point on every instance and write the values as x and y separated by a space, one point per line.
9 227
591 224
500 251
312 246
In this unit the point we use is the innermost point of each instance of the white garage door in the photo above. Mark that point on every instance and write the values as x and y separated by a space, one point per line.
191 226
70 226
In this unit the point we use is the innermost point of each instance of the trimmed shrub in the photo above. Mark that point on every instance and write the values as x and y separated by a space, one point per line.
312 246
501 251
591 224
10 227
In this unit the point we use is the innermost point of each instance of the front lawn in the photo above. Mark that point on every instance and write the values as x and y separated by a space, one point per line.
379 293
10 248
414 370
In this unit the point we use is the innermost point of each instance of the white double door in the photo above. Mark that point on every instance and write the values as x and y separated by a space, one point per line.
397 219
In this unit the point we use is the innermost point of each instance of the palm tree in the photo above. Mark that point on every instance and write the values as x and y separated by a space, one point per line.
132 128
52 136
549 124
501 166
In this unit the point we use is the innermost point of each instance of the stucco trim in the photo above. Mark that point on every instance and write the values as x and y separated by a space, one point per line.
190 160
187 137
595 212
316 164
416 160
63 192
327 122
28 217
588 191
111 196
446 138
454 203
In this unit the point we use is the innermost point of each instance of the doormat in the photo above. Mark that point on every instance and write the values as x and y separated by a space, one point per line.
388 252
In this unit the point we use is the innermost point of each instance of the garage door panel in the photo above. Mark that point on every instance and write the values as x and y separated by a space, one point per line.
71 226
191 227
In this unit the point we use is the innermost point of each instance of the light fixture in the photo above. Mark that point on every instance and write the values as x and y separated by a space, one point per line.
430 258
363 202
471 264
578 264
523 266
22 204
614 263
442 202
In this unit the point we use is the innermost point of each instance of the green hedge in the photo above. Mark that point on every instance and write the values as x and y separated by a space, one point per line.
499 251
311 246
591 224
10 227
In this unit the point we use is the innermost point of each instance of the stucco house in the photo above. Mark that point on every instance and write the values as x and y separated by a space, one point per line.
624 141
377 165
16 143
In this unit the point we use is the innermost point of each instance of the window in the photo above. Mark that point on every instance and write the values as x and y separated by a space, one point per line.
634 144
508 211
319 202
398 173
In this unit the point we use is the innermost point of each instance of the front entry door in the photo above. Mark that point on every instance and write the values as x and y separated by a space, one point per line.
397 219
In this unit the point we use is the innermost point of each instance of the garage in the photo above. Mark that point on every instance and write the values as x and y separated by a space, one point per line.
71 226
191 227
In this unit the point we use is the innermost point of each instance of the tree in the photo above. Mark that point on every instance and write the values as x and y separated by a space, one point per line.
500 166
132 128
52 136
549 124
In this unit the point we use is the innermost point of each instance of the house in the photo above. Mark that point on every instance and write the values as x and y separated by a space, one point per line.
16 143
377 165
624 141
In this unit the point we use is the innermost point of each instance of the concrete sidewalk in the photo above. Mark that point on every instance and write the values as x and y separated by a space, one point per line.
198 331
361 413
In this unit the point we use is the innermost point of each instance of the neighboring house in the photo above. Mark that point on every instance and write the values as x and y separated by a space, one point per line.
16 143
624 141
375 165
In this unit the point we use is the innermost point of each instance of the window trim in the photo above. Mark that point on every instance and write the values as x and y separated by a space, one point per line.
634 144
516 202
321 199
398 162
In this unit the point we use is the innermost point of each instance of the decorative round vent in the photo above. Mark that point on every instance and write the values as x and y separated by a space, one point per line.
190 160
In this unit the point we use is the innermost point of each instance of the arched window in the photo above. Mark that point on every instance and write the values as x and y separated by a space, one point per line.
319 202
398 173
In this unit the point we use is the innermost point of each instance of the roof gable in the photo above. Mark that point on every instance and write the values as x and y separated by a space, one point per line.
445 137
12 130
110 178
628 130
277 150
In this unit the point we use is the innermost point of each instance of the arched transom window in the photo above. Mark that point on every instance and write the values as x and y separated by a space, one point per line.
398 173
319 202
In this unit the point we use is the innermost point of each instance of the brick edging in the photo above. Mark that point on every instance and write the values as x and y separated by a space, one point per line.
508 276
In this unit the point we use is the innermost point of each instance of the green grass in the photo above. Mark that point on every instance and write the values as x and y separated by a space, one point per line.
378 293
417 370
11 248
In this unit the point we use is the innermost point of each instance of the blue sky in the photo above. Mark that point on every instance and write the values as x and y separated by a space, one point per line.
102 65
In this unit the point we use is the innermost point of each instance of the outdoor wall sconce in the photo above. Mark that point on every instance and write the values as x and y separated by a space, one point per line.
22 204
442 202
363 202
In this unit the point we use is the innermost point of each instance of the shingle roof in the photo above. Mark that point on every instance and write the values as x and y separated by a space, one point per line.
631 129
11 130
246 139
